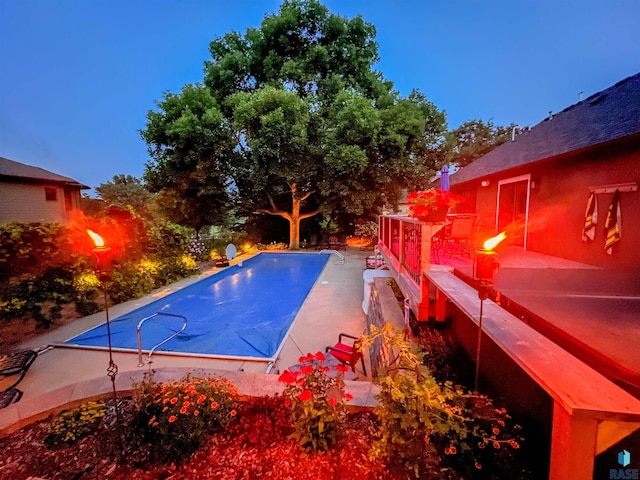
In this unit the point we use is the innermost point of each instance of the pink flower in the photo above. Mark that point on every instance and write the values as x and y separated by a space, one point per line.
307 370
341 367
348 397
305 395
287 377
333 402
320 357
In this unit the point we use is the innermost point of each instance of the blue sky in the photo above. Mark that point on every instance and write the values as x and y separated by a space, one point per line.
77 77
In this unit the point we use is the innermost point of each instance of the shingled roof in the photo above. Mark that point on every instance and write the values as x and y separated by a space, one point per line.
608 115
12 170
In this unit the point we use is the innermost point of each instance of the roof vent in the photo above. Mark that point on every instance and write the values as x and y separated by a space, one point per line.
579 96
599 98
550 115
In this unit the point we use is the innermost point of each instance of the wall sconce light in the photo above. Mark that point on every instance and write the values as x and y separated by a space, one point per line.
485 183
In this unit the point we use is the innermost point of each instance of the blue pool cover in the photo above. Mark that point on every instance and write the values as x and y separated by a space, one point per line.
242 311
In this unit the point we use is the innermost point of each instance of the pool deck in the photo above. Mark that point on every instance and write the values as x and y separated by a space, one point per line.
334 305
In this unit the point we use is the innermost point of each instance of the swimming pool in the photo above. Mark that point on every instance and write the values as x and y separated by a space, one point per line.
244 311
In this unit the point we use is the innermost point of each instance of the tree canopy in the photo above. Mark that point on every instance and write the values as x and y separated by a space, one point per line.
293 120
475 138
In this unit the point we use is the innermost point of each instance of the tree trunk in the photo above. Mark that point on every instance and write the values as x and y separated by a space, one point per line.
294 225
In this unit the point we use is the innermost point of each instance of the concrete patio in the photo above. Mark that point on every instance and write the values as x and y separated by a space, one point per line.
62 375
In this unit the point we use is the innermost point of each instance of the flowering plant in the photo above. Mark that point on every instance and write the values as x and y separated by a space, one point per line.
420 418
180 416
424 203
316 401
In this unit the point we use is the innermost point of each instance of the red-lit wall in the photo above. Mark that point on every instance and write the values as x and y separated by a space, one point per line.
558 202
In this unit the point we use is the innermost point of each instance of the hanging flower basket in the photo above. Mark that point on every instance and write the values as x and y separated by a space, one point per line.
432 205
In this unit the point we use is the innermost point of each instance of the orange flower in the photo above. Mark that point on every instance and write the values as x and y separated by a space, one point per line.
201 398
186 404
196 413
172 418
174 400
183 410
214 405
495 430
496 445
233 413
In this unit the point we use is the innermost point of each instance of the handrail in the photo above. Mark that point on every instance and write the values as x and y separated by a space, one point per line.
329 251
184 325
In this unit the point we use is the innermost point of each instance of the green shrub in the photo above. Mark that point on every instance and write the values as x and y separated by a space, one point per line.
178 417
128 282
39 297
423 421
316 401
87 288
71 425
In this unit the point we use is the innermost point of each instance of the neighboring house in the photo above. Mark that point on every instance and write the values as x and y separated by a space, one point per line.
537 186
31 194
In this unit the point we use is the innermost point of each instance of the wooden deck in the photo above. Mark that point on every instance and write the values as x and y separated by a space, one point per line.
590 413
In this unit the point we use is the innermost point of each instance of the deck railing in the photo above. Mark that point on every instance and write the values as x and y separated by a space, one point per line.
406 245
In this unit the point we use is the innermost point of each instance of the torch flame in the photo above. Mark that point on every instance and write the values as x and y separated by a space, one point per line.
494 241
97 239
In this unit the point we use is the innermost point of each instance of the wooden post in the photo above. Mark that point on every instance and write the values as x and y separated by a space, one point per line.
573 445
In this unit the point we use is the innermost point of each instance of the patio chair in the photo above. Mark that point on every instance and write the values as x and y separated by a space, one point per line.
348 354
9 396
459 234
16 363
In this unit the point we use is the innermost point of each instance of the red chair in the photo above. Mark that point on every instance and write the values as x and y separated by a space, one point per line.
348 354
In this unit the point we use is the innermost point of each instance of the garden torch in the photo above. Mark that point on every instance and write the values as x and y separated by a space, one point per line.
103 272
485 268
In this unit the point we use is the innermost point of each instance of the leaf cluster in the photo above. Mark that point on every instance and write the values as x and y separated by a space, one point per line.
71 425
423 421
179 416
316 402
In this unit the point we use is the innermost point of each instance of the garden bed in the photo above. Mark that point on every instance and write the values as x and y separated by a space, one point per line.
254 446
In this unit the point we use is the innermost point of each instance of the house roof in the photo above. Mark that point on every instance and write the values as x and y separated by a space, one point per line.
611 114
10 169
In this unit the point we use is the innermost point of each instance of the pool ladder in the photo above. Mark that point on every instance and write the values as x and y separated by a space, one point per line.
139 334
341 260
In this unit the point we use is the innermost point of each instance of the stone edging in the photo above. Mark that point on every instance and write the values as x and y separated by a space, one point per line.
29 410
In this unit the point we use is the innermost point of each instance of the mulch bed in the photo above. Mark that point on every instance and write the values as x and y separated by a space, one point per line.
256 445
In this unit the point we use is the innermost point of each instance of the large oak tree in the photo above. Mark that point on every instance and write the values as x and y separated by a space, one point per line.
306 123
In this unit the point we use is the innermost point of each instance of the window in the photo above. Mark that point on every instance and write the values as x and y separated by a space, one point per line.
51 194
